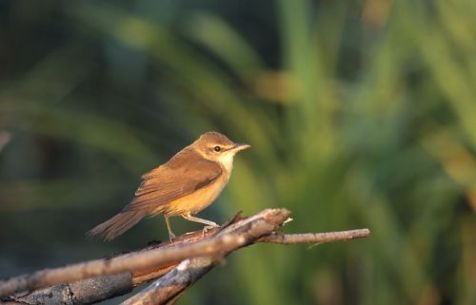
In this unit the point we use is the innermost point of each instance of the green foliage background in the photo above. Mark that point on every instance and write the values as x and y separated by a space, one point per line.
360 114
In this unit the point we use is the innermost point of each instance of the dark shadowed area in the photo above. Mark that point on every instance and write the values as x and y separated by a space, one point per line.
359 113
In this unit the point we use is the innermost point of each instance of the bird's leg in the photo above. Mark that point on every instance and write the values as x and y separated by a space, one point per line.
169 228
209 224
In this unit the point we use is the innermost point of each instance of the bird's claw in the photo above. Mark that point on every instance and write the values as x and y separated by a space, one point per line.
208 228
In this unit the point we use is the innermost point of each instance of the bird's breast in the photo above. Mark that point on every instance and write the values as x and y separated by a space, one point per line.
198 200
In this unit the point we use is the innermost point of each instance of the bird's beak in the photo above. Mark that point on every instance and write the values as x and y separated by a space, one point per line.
239 146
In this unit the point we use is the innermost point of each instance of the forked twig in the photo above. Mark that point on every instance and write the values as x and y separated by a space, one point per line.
177 264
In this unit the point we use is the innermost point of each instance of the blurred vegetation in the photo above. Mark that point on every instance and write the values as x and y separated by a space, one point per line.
360 114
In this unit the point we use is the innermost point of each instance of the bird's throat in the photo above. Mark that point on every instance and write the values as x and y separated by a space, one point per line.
226 161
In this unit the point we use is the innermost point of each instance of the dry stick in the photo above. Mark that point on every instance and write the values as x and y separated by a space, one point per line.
86 291
174 283
317 238
274 238
136 261
189 271
104 287
101 288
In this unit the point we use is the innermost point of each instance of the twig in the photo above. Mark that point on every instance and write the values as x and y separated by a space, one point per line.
86 291
171 285
135 261
189 271
311 238
200 250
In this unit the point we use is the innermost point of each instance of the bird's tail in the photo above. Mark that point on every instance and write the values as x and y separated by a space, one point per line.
116 225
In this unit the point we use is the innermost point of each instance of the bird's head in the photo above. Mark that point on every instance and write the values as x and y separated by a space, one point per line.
216 147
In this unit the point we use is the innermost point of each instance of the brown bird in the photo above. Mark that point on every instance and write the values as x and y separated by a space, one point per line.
185 185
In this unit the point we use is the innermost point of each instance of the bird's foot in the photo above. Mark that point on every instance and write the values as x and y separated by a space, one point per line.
171 236
209 227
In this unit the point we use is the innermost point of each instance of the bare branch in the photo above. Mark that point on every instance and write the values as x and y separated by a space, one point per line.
118 275
133 261
317 238
137 261
87 291
189 271
171 285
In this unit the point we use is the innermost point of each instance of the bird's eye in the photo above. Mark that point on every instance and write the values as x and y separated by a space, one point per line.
217 148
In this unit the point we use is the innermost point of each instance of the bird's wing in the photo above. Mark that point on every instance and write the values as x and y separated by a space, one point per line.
182 175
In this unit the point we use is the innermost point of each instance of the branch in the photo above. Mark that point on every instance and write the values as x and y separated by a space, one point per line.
171 285
133 261
138 261
86 291
198 251
314 238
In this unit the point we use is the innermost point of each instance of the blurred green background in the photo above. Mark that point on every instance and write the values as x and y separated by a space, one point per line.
360 114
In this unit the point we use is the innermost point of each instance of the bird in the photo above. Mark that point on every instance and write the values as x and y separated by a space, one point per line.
183 186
